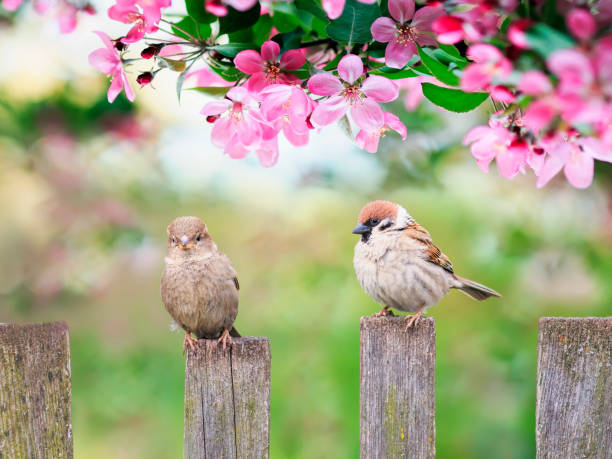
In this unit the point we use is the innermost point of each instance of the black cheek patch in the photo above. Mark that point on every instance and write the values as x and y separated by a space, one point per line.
386 225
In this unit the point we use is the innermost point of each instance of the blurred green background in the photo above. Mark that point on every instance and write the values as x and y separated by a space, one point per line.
87 190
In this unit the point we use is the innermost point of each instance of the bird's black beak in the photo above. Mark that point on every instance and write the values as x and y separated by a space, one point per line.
362 229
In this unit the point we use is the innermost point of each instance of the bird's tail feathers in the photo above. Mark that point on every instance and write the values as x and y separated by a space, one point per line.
474 289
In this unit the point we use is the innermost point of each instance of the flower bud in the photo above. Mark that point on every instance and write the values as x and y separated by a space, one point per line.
144 78
151 51
212 118
119 45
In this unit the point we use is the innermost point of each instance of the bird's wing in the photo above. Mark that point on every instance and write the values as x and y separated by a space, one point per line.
225 262
431 253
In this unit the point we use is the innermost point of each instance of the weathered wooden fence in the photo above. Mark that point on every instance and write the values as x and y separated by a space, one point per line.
227 392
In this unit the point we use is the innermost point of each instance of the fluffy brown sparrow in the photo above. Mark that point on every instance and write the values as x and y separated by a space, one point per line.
398 265
199 287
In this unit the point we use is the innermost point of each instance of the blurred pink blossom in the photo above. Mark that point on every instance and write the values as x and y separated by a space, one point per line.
219 7
144 14
581 23
489 64
334 8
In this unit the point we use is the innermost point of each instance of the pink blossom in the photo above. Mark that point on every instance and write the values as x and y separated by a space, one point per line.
238 128
129 12
108 61
489 64
219 7
575 155
265 69
471 25
334 8
413 90
448 29
403 35
205 78
287 108
11 5
574 69
497 142
352 94
517 35
534 83
581 23
368 140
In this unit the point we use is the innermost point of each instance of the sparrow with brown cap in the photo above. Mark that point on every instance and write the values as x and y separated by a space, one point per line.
399 266
199 286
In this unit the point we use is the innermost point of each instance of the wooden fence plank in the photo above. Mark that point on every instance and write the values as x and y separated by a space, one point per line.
227 400
35 391
397 388
574 391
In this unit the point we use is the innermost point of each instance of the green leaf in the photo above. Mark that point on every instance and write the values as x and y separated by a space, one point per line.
313 7
354 24
544 40
395 74
226 71
231 49
196 10
211 90
450 50
454 100
439 70
285 22
188 24
237 20
262 28
289 40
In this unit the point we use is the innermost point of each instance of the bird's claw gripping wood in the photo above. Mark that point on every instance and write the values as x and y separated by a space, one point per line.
385 311
414 318
189 341
225 339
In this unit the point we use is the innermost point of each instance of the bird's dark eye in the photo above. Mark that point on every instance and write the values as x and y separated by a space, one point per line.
374 222
198 238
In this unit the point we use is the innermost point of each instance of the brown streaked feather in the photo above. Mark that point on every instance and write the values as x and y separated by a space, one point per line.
236 283
432 253
377 209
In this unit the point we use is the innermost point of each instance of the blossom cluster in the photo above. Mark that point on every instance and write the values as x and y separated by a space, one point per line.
66 12
549 80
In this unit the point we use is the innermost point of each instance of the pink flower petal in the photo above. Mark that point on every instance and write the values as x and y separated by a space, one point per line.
401 10
501 93
249 132
579 169
424 18
268 153
107 42
135 34
216 107
483 52
475 77
241 5
581 23
394 123
11 5
329 111
534 83
234 149
67 18
350 68
297 137
324 84
249 61
126 87
257 82
476 133
383 29
397 54
449 29
367 114
538 115
275 98
380 89
367 141
552 166
333 8
114 88
104 60
222 132
270 51
292 59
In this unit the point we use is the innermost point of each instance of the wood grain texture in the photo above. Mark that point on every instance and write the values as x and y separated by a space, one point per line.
397 388
35 391
227 400
574 389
